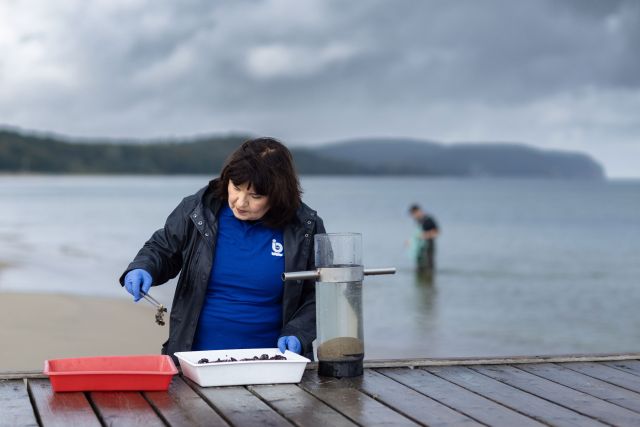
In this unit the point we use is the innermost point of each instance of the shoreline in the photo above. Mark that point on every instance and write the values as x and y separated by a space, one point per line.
38 326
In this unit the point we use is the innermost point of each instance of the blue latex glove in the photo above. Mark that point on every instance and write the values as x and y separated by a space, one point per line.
137 280
290 343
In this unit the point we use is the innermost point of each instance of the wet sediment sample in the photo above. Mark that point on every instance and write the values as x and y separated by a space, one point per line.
341 348
247 359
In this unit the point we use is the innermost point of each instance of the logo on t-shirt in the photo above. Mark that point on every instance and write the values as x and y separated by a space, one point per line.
276 248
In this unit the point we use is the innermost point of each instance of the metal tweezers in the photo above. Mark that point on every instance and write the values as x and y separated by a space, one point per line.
161 308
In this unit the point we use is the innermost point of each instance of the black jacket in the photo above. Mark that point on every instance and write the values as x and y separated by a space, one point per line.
187 245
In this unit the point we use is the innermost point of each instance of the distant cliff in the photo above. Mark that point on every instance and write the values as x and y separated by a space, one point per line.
411 157
26 153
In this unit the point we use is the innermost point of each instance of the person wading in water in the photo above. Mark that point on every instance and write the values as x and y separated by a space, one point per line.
426 241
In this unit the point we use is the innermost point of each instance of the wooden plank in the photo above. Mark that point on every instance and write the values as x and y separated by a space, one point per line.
182 406
462 400
124 408
61 409
239 406
631 366
411 403
593 386
15 404
562 395
19 375
300 407
344 396
513 398
394 363
608 374
403 363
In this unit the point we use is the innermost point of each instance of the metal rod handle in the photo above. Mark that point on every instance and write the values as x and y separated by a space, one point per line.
301 275
378 271
315 274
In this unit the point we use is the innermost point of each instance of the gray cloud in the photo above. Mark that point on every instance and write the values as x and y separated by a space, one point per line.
563 74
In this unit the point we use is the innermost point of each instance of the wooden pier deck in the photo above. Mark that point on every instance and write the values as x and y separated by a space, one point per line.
520 391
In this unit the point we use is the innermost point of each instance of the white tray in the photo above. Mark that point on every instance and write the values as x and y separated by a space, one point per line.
242 373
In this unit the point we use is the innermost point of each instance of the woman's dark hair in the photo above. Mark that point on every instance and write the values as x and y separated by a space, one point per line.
267 165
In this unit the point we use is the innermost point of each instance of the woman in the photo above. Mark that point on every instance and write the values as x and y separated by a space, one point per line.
231 242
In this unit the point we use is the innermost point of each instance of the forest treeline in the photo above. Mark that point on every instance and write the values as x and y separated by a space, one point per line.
28 153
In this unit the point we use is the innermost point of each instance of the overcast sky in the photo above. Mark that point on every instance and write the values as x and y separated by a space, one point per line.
554 74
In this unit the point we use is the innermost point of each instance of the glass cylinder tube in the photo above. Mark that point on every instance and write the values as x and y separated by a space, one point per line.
340 340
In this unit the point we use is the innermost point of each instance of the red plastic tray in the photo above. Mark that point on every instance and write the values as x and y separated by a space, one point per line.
111 373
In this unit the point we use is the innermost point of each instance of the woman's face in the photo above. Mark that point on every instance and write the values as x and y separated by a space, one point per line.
245 203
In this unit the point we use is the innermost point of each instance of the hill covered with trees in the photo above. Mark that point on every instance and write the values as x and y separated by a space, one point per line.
29 153
23 153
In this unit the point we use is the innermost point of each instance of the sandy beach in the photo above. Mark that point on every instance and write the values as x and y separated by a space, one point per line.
36 327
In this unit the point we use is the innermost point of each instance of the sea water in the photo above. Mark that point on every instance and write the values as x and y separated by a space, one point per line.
523 266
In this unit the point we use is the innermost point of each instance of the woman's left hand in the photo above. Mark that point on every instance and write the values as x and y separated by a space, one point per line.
290 343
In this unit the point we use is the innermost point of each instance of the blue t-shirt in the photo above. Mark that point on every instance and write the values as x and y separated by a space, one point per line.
243 306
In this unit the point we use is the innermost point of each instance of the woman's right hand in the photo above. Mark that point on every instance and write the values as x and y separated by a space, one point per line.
137 280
